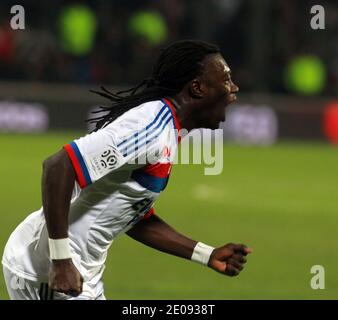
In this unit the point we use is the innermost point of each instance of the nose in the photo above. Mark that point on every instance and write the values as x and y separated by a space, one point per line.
234 88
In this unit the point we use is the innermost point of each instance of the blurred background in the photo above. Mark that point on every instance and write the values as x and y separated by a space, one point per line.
279 188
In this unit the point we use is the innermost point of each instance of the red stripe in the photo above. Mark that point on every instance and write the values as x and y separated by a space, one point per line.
76 165
159 170
177 124
149 213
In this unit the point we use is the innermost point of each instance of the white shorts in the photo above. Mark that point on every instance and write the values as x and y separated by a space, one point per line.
22 289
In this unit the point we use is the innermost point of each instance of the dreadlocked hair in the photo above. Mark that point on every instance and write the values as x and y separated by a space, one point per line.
177 64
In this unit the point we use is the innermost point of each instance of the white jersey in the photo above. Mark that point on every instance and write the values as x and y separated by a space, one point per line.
121 170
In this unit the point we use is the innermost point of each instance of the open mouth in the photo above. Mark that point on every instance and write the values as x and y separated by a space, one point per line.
233 97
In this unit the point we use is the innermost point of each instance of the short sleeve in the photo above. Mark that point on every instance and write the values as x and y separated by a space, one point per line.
134 139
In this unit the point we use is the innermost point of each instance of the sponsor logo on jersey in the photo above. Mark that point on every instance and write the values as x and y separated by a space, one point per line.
166 152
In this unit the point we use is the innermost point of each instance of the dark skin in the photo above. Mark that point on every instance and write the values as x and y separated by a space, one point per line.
204 99
202 105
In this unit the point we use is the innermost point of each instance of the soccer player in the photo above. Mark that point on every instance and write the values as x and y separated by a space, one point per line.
105 183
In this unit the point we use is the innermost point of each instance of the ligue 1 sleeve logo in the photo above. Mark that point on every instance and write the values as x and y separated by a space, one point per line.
109 159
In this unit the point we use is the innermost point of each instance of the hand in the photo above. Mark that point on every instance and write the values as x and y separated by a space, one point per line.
229 259
65 278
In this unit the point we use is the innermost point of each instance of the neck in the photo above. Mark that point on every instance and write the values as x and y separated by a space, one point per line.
183 107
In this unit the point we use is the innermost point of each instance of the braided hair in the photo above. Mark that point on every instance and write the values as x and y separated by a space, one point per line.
177 64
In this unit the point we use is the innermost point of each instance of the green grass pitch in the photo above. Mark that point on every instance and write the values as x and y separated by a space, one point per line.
281 201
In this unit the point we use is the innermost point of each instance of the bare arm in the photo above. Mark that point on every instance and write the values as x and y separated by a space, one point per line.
58 181
154 232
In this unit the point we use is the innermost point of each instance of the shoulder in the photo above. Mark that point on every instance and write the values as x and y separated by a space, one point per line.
143 113
147 117
147 125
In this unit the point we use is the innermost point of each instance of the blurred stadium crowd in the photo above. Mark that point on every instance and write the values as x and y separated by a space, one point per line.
269 44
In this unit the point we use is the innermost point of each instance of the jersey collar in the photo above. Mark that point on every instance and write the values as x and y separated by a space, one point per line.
173 107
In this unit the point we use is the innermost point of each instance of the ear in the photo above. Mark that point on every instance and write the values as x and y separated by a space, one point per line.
196 89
